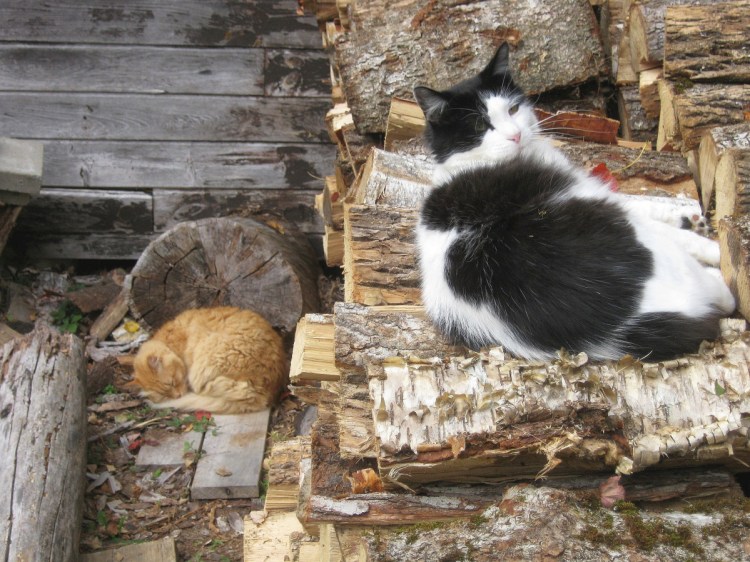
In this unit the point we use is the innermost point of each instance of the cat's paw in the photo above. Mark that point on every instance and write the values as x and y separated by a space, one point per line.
695 222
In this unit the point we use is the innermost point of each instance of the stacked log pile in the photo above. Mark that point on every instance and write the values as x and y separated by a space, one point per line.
414 430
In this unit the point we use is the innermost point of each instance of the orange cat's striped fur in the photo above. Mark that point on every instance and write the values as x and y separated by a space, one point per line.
225 360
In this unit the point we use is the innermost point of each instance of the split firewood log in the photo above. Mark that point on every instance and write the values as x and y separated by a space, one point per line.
705 43
712 146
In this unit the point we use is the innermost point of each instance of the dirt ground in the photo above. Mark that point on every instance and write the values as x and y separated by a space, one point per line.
125 503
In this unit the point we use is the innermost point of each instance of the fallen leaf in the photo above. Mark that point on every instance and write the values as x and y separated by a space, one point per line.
221 471
611 491
365 481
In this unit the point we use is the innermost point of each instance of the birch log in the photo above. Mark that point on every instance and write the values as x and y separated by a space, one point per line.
393 47
708 43
442 413
43 439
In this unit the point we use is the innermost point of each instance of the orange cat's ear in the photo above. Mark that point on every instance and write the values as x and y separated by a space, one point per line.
154 362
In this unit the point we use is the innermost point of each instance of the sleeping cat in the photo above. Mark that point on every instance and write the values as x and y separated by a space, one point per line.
519 247
225 360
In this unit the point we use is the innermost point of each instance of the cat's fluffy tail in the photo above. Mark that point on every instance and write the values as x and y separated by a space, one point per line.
191 402
660 336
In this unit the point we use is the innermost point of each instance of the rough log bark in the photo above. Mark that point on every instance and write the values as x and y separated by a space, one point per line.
379 255
394 47
697 109
708 43
648 89
43 439
647 30
732 182
712 146
734 238
443 413
225 261
635 124
542 523
284 473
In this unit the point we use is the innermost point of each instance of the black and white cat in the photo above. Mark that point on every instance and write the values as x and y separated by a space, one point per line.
519 247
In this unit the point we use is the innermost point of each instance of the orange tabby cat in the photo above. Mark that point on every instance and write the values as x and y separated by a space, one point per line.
225 360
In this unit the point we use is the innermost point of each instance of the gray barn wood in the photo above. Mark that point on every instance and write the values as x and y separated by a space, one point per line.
214 23
199 95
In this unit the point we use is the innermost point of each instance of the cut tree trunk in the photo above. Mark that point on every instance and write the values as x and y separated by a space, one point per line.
712 146
734 238
230 261
648 89
732 182
392 179
446 413
708 43
43 439
393 47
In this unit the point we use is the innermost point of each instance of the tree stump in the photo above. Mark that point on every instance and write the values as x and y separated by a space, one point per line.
43 443
231 261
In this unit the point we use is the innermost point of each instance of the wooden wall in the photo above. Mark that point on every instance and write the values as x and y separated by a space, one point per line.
159 111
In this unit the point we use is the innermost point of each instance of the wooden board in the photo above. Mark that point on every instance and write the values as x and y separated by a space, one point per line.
185 165
214 23
81 246
161 117
167 448
162 550
78 210
231 460
135 69
290 206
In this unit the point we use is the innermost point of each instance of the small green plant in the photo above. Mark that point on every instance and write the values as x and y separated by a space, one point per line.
156 473
67 317
214 544
110 389
101 518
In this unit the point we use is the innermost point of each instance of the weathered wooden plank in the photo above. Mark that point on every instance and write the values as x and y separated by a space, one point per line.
162 117
181 165
78 210
291 72
290 206
167 448
231 459
215 23
99 246
162 550
105 68
215 165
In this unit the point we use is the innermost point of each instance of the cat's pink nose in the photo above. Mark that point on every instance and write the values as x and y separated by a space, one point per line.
516 138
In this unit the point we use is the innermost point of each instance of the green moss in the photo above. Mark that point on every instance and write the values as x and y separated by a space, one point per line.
595 536
478 520
682 84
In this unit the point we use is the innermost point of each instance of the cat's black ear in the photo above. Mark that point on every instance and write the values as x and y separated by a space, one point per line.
432 102
499 63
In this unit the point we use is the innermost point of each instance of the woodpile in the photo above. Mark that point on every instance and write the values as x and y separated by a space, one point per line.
412 429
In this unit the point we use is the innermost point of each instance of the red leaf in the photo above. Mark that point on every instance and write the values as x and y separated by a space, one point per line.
135 445
200 415
602 172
